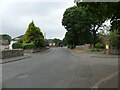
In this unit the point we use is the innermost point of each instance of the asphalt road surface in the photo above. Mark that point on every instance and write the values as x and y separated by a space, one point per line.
61 68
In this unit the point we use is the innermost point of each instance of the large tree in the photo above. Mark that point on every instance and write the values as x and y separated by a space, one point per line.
34 35
85 20
74 22
95 16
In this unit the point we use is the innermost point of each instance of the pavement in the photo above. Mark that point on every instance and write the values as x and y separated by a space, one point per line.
61 68
13 59
8 60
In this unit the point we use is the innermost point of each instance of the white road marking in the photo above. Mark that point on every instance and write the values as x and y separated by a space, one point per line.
105 79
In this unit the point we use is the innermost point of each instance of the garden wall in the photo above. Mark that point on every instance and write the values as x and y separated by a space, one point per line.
34 50
11 53
84 47
115 51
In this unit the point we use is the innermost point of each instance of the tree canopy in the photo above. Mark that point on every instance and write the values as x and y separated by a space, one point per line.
5 37
83 21
74 22
34 35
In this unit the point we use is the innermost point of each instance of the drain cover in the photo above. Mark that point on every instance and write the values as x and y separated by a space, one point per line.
22 76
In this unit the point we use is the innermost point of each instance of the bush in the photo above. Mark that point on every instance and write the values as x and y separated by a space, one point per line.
114 39
29 46
99 45
17 46
21 40
71 46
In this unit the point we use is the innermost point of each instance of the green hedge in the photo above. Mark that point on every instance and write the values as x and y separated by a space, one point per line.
17 46
99 45
71 46
29 46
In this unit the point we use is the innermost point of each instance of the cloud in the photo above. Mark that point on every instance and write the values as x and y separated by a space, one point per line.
46 15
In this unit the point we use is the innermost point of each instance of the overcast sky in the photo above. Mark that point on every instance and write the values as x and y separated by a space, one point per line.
16 17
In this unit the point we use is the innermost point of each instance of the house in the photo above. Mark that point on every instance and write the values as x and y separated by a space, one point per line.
14 40
17 38
52 43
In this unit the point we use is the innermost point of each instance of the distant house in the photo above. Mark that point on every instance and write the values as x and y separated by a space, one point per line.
14 40
52 43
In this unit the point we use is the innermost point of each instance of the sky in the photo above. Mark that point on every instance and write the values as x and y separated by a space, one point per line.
46 14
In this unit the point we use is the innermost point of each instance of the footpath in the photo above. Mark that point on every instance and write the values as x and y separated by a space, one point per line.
14 59
27 55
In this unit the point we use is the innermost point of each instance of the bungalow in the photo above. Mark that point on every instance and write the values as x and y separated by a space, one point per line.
52 43
14 40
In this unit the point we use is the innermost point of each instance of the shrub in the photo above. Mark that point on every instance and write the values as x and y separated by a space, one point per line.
17 46
114 39
71 46
99 45
29 46
21 40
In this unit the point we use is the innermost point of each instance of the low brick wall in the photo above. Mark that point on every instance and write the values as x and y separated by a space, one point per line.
84 47
11 53
115 51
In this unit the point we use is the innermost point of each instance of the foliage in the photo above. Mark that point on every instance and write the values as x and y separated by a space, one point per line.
99 45
71 46
95 16
29 46
46 42
86 18
64 41
21 40
75 26
114 39
57 42
6 37
17 46
34 35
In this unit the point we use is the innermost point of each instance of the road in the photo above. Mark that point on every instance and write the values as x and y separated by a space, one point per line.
60 68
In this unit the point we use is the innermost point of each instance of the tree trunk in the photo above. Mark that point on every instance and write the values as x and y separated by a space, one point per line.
94 38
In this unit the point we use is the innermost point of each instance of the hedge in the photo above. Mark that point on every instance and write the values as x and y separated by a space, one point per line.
17 46
29 46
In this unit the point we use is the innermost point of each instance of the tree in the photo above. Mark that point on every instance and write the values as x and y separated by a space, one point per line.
114 39
85 19
5 37
99 12
74 22
95 14
57 42
34 35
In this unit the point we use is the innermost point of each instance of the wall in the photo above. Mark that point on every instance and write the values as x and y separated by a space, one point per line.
33 50
84 47
115 51
11 53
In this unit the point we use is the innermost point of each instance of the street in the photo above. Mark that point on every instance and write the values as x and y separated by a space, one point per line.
61 68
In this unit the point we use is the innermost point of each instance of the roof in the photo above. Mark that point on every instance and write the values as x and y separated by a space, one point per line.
17 38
